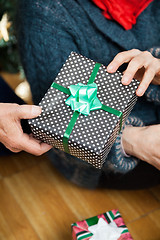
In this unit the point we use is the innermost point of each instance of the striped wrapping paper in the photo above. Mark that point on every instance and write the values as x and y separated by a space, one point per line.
80 229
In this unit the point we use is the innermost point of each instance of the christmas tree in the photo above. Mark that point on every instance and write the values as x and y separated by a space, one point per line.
9 57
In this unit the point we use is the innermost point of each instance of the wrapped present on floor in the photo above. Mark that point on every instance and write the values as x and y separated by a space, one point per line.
84 109
109 225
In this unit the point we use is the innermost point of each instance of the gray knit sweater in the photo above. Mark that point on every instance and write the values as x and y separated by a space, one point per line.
48 30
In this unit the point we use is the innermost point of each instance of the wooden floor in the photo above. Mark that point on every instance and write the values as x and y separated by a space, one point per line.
37 203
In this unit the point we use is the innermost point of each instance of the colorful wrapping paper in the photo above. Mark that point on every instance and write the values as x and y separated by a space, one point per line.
84 109
80 229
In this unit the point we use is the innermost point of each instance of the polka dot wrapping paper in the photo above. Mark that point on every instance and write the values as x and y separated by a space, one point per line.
92 135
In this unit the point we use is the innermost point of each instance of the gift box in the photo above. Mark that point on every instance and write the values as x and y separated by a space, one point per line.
109 225
84 109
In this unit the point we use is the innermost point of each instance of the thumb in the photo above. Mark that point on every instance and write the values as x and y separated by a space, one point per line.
28 111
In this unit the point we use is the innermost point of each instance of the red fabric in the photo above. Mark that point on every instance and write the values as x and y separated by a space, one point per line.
125 12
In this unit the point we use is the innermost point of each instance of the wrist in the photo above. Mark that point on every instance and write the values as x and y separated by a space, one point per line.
130 139
123 151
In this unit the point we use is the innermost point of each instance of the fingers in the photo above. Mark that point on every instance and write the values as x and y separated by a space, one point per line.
134 65
147 78
28 144
11 133
152 66
12 149
121 58
27 111
138 61
34 146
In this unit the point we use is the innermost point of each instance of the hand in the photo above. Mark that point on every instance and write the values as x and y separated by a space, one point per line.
11 133
142 66
143 143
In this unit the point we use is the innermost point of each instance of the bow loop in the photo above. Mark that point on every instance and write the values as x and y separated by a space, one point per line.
83 98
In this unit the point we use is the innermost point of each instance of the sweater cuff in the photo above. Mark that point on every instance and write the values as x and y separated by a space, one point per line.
117 160
155 51
130 122
153 93
122 149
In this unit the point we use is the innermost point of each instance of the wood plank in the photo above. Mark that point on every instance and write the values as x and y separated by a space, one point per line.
13 224
147 227
17 162
156 191
5 231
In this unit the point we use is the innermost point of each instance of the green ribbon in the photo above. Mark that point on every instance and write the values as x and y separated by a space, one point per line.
92 221
83 99
83 234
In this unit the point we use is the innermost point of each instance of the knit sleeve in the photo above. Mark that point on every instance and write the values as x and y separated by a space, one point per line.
116 160
46 36
153 92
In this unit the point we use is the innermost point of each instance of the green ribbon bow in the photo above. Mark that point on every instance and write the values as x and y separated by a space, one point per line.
83 99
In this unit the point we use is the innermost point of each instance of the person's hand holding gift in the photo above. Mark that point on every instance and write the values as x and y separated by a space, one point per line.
141 142
11 132
141 65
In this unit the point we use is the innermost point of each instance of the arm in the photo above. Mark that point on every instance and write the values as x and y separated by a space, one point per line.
141 142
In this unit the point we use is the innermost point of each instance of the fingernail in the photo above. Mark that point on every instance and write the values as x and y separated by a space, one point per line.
139 92
110 67
36 110
125 79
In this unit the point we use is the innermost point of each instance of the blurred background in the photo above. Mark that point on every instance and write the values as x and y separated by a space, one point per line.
10 66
